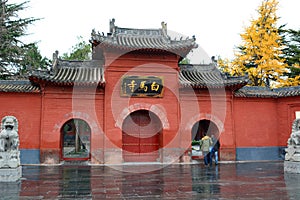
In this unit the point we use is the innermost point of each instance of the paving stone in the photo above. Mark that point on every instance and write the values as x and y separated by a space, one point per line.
260 180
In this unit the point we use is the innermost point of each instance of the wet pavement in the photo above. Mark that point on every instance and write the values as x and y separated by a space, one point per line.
265 180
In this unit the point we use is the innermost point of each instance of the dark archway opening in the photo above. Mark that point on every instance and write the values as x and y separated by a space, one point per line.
75 143
199 130
204 127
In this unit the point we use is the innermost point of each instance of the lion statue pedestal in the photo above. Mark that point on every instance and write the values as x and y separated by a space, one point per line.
10 168
292 156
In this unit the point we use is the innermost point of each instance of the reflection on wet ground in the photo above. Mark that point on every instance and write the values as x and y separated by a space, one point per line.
226 181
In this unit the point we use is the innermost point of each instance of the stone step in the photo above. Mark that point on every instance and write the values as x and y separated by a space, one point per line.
75 162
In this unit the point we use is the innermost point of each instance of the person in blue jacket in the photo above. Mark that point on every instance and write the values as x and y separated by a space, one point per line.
214 150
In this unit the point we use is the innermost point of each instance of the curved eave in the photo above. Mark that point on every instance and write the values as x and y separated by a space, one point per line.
232 86
19 88
70 76
212 79
243 95
49 81
181 50
262 92
289 94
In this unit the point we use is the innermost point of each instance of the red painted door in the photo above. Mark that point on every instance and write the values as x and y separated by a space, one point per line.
140 137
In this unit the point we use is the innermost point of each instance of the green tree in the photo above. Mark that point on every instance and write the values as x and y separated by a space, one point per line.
81 51
185 61
32 59
259 53
14 52
291 54
291 40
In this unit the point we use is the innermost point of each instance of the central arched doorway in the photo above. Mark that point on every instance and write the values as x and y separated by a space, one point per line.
141 132
75 140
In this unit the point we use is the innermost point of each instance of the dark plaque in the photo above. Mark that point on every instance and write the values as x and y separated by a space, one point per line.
142 86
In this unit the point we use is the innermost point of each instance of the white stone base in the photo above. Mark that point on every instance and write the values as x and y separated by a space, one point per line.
10 174
292 167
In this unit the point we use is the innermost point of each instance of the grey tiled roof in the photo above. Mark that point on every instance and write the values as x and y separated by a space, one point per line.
18 86
76 64
264 92
149 39
288 91
255 91
208 76
73 73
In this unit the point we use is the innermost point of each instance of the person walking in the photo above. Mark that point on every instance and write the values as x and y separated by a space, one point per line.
205 143
214 150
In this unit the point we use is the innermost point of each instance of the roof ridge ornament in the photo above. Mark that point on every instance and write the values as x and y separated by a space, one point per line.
112 26
55 60
164 29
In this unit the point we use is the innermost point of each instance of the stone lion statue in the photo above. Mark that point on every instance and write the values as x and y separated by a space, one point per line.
295 135
9 138
293 148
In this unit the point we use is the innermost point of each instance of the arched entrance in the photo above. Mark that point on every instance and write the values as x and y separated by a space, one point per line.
199 129
204 127
75 143
141 132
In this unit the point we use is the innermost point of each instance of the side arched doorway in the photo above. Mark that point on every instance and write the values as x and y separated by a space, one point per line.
75 140
141 133
199 129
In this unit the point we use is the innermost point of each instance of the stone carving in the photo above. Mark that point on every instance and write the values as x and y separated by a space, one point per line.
164 28
292 156
112 26
9 143
55 60
295 135
293 150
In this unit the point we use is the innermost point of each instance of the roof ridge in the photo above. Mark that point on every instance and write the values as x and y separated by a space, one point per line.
139 32
265 92
130 39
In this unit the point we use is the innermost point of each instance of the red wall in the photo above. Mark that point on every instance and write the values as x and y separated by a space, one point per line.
286 115
263 122
26 108
61 104
214 105
256 122
248 122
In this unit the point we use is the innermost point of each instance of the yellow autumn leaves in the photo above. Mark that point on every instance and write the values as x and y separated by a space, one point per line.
259 53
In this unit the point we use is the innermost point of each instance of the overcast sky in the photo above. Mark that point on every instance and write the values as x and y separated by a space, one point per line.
215 23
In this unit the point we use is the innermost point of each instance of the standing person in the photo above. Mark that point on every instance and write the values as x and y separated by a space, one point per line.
215 149
205 143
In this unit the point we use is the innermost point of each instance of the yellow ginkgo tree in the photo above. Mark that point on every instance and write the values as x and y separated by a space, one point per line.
259 53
